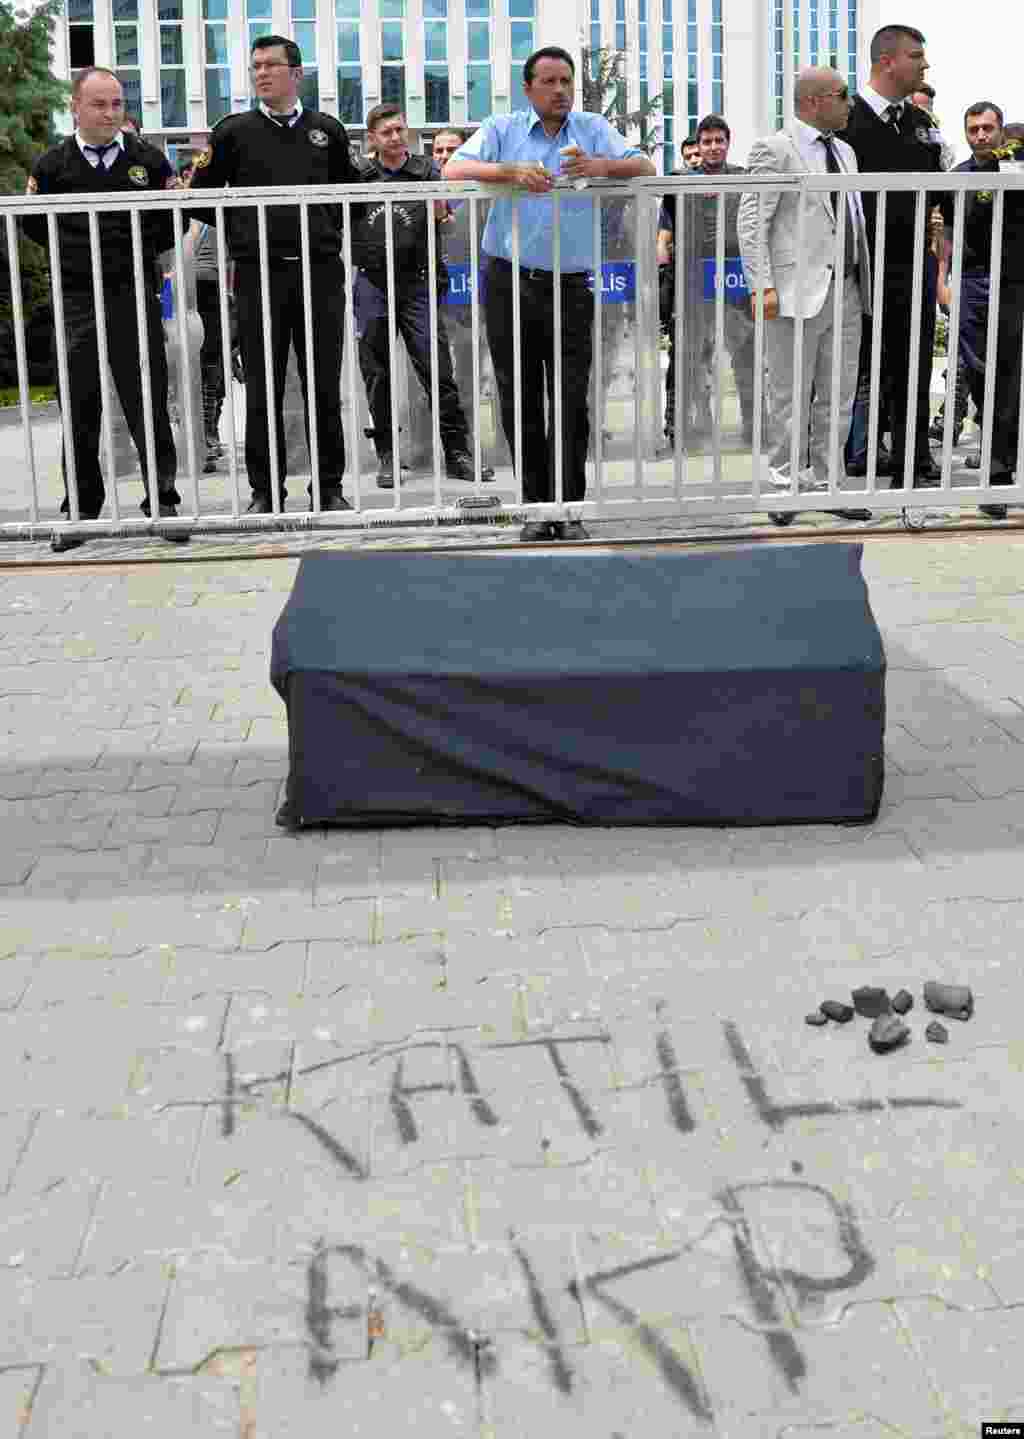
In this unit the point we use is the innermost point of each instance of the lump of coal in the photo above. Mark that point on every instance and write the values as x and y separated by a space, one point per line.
887 1032
902 1000
870 1002
841 1013
815 1017
954 1000
937 1033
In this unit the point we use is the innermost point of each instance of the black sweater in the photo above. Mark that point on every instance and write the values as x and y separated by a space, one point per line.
64 170
880 148
978 208
251 149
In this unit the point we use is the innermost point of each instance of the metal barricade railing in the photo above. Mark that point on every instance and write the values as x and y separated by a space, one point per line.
630 471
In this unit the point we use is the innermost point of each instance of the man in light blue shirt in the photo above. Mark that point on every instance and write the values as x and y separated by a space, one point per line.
527 151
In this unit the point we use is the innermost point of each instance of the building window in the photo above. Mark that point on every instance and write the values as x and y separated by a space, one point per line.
173 110
218 75
350 71
304 35
392 52
478 59
717 59
779 47
833 33
435 62
521 18
851 43
259 19
815 37
692 87
81 35
668 159
595 34
127 57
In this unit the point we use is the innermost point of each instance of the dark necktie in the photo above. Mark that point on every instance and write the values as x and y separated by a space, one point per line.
834 168
99 151
285 120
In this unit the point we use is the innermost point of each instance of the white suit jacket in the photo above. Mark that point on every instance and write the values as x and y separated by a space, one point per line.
776 268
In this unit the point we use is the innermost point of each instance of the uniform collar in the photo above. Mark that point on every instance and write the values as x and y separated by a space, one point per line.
117 140
296 113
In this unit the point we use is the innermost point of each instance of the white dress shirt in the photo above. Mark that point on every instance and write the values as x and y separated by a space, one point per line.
812 152
278 118
109 157
878 102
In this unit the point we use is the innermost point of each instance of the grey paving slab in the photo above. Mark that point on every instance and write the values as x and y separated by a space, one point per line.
485 1130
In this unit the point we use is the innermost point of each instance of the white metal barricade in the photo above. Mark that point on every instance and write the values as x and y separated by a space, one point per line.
630 471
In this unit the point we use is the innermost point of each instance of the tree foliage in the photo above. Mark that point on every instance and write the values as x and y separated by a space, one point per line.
29 96
604 88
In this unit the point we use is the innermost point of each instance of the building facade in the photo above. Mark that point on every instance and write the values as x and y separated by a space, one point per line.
183 63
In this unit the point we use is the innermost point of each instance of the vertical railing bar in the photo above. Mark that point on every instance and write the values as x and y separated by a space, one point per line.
838 316
435 392
556 414
598 367
474 330
21 353
877 308
916 315
391 299
517 355
276 461
225 355
350 348
63 378
992 337
185 368
716 433
142 320
683 380
755 457
796 438
103 360
953 343
640 217
307 329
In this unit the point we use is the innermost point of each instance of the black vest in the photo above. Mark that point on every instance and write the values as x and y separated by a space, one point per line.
409 220
139 167
881 148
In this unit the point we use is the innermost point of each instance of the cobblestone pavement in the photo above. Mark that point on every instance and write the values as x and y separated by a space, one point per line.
494 1133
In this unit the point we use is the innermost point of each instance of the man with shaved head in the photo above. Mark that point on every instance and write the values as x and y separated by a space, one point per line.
789 290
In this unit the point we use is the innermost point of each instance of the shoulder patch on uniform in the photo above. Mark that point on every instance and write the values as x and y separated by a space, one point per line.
138 174
318 137
32 186
201 161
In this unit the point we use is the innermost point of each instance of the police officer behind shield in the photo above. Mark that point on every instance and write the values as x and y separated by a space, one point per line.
393 164
104 157
282 143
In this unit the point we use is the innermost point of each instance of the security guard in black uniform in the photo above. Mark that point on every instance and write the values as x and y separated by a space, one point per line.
282 143
102 157
386 131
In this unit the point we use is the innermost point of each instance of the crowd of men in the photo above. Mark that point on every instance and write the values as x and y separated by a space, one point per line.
888 127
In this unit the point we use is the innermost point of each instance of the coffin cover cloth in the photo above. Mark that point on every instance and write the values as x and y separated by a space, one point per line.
734 687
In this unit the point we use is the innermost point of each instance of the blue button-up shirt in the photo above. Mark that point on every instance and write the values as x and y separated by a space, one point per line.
521 139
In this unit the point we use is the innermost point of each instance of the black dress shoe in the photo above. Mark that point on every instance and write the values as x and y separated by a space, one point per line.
973 462
851 514
883 468
459 466
332 500
537 530
60 544
569 530
260 505
170 512
994 512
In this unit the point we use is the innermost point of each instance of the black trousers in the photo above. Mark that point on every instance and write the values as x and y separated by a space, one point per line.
86 401
894 371
412 324
537 325
1006 404
287 329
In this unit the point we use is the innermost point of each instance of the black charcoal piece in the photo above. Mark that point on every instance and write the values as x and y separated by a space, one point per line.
887 1032
841 1013
937 1033
902 1000
870 1002
815 1017
955 1000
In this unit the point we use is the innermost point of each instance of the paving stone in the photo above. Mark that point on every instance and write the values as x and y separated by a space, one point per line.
17 1390
138 1222
112 1322
83 1402
76 1150
971 1359
16 973
64 977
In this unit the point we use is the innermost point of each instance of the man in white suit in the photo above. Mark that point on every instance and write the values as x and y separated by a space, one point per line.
786 289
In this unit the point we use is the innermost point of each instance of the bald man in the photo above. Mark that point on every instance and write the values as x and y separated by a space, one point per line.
808 145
